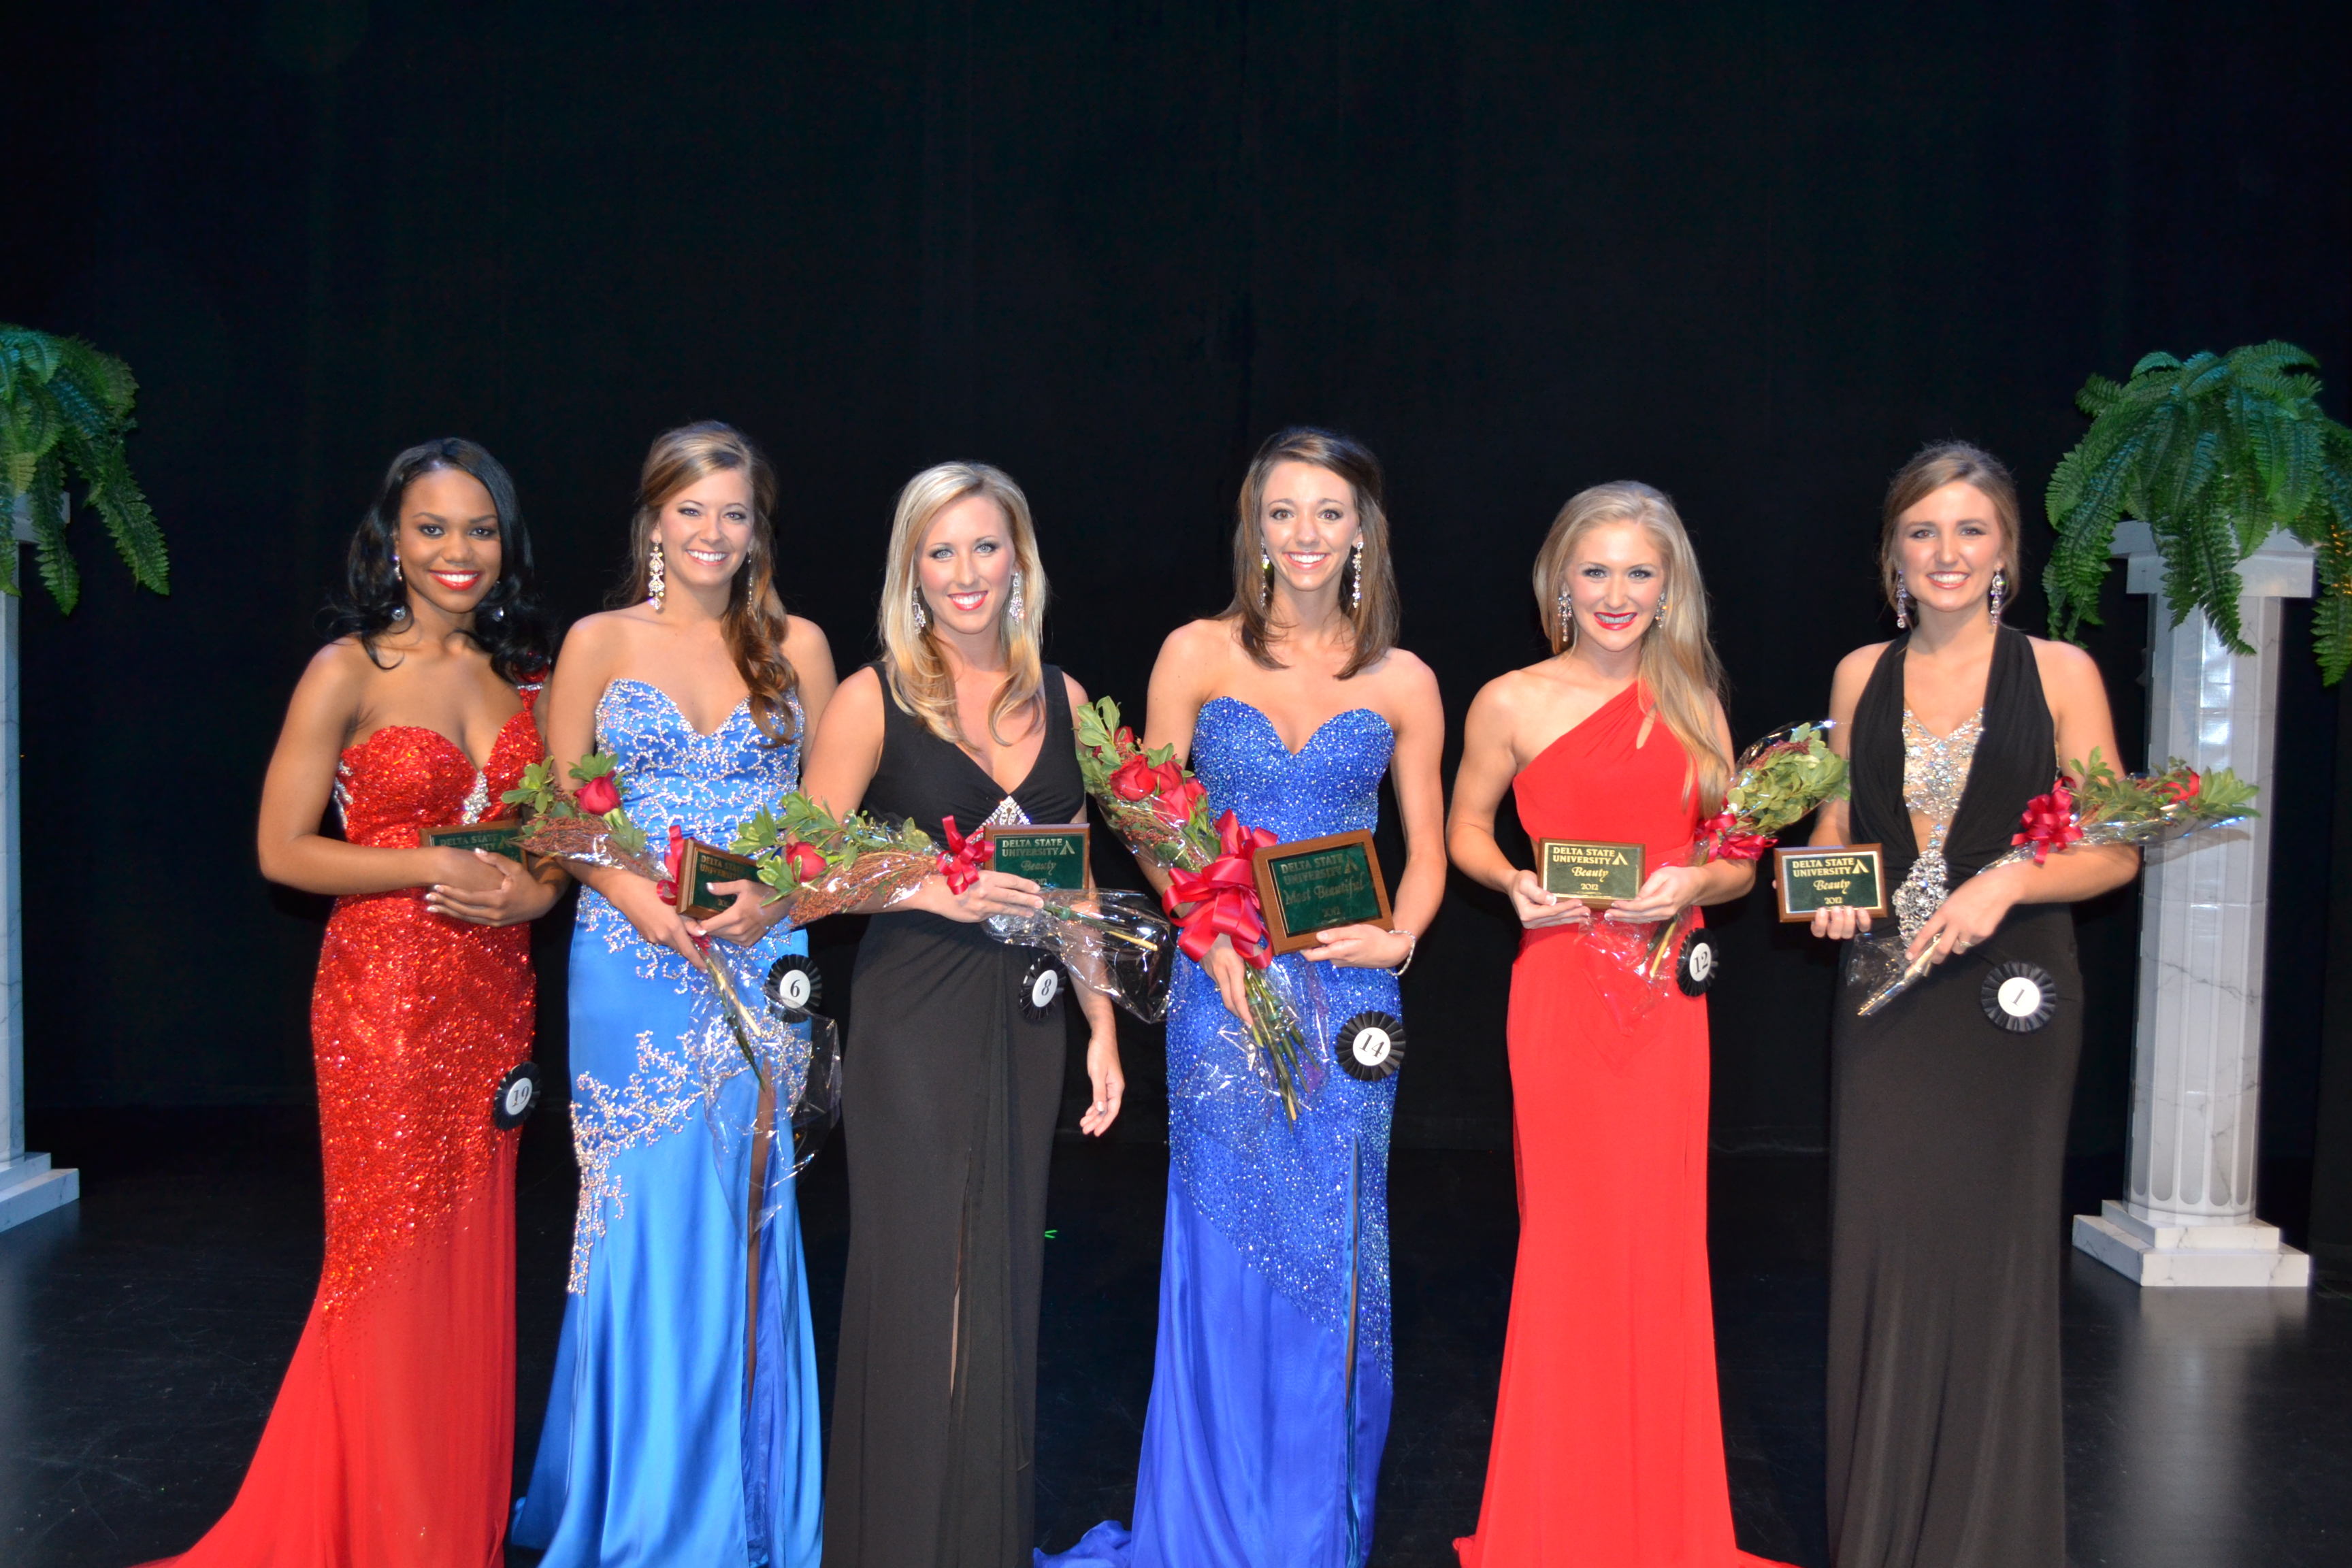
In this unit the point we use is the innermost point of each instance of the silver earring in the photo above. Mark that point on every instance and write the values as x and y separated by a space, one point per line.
1662 609
2000 592
395 571
1014 606
1567 622
655 588
1265 564
922 620
1356 576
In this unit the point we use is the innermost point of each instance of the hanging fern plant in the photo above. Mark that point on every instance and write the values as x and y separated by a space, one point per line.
2213 454
65 405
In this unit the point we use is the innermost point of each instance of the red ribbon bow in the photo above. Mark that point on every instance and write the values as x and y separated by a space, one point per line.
1223 897
1723 831
2049 821
960 862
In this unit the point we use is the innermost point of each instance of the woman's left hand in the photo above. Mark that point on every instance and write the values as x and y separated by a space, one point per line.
1109 1084
519 897
1359 947
1667 892
1967 918
746 919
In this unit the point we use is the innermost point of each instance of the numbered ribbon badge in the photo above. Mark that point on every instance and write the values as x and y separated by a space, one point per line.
1372 1045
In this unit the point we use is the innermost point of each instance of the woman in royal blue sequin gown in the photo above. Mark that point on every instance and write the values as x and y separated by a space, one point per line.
682 1423
1271 1381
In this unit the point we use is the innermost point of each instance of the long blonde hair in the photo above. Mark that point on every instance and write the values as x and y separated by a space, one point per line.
753 627
911 662
1678 670
1373 621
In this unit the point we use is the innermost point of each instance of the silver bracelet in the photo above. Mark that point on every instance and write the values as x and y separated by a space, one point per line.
1411 945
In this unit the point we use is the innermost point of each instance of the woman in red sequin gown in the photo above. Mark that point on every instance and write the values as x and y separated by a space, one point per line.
391 1440
1608 1442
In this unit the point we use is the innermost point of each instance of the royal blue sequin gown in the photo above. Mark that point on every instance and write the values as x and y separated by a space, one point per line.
657 1449
1272 1381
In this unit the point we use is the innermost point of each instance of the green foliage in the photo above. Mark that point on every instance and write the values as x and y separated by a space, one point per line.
65 406
2214 453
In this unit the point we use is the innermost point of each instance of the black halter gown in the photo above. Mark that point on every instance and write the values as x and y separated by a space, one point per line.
1948 1143
949 1093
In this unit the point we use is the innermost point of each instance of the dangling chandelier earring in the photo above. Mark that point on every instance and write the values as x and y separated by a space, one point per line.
1566 624
1265 564
1014 606
2000 592
1662 609
922 618
1356 576
399 611
1902 607
655 588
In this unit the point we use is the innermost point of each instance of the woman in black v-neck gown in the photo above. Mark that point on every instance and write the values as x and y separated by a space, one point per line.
952 1076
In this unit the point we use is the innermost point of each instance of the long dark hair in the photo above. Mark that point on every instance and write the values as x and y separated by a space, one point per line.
509 625
1373 621
753 629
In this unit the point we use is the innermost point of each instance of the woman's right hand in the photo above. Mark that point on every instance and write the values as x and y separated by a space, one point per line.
1229 970
988 893
1840 922
1538 906
657 919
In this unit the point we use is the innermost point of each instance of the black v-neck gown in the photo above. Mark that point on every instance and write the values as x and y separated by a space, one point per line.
1948 1145
948 1098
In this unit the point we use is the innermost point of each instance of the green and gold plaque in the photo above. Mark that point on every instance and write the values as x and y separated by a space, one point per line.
699 867
1829 877
1052 855
497 837
1318 883
1597 872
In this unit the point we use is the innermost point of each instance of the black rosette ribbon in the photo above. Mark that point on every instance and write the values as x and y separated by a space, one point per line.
2018 997
1370 1046
516 1098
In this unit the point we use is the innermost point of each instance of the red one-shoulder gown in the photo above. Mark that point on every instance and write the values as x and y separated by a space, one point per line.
1608 1437
391 1443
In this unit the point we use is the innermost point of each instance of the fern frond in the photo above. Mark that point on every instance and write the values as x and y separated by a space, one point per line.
58 572
2098 395
2157 360
130 522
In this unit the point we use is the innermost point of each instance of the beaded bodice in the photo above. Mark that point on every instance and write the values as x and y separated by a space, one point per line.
672 773
406 778
1331 785
1934 777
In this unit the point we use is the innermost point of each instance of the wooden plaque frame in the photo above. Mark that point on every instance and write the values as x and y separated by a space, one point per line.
1277 930
1640 868
701 864
1780 859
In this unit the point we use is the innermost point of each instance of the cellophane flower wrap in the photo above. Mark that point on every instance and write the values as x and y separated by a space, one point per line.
731 1028
1776 781
2105 808
1161 813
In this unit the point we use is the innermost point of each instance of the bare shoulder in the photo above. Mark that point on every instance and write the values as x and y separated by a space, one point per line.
1200 643
338 672
1405 673
804 641
1077 693
2062 661
598 637
1856 667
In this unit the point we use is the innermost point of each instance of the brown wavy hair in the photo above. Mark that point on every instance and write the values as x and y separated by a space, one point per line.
752 625
1374 619
1935 466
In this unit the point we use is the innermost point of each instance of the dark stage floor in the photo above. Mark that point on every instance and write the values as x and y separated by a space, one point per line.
143 1332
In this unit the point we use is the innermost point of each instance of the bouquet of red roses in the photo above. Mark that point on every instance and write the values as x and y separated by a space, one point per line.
1161 813
2105 808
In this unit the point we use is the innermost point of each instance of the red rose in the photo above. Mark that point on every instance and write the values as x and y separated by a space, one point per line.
1135 780
806 862
2176 791
1174 804
599 795
1125 738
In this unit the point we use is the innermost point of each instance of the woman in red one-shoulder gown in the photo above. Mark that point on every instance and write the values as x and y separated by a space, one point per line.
391 1440
1608 1442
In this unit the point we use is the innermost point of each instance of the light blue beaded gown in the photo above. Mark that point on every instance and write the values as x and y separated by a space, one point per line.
1272 1381
658 1449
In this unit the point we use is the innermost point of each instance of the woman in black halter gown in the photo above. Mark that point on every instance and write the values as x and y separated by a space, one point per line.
1948 1110
952 1081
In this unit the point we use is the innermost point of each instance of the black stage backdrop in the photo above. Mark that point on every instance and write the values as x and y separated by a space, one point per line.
1753 255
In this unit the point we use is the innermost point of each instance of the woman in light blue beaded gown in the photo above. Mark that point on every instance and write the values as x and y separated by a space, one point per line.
1271 1383
682 1424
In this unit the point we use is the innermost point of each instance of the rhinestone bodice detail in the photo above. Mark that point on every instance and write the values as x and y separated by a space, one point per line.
1935 776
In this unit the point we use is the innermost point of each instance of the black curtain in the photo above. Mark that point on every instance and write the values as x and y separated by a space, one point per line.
1753 255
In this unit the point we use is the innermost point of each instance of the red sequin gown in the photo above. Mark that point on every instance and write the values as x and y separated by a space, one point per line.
391 1443
1608 1439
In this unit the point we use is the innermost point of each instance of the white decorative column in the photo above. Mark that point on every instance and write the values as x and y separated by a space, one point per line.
2187 1216
28 1185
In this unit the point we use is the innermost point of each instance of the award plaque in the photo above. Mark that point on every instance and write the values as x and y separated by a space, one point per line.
1598 873
1830 876
699 867
1318 883
1052 855
497 837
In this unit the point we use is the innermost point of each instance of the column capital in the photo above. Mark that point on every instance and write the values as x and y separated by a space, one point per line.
2282 566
